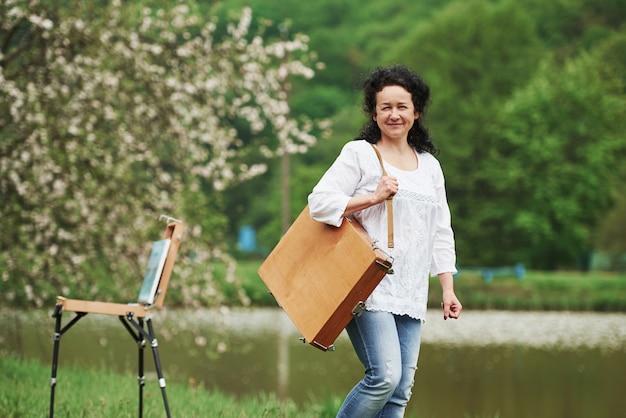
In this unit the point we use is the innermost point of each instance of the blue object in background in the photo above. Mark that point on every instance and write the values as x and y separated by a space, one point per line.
247 239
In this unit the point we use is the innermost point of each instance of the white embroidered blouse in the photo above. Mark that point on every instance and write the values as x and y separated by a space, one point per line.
424 241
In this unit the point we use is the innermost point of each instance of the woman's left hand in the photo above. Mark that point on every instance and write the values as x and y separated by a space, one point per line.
451 306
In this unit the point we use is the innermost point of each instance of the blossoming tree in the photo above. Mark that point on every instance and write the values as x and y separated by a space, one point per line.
106 122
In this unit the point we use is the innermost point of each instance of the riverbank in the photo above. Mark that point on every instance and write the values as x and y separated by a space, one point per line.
593 291
538 290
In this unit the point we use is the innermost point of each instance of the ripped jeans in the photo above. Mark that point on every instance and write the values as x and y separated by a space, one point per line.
388 346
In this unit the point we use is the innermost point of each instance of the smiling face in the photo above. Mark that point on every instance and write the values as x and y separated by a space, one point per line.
395 113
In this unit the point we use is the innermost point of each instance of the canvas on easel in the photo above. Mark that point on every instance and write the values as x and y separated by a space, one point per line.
156 262
136 317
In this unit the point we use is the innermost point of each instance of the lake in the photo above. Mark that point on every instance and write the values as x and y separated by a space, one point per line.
488 363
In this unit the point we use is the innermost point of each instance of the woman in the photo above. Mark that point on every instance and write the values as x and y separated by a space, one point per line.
386 337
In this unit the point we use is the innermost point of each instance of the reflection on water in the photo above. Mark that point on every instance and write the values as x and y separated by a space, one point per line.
515 364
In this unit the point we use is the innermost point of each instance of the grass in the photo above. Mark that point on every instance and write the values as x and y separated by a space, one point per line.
575 291
101 394
559 290
87 393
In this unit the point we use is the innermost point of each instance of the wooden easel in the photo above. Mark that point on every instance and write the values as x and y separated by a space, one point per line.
135 317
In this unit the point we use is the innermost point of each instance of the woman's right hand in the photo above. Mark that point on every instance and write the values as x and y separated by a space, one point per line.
386 188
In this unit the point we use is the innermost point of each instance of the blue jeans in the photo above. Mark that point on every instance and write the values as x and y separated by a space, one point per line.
388 346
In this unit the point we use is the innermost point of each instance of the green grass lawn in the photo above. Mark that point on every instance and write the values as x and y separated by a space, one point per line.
91 394
102 394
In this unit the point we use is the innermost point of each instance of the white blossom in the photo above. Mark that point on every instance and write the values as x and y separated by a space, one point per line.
101 136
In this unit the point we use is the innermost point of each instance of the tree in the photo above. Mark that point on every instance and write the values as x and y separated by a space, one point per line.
107 122
473 55
609 238
555 159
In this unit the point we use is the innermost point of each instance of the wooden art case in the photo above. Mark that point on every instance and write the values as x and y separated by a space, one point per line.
321 275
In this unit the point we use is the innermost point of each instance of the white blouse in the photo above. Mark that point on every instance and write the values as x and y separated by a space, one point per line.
424 241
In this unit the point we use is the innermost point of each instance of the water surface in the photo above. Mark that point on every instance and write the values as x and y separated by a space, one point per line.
514 364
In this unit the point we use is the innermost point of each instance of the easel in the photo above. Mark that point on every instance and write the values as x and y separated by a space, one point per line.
135 317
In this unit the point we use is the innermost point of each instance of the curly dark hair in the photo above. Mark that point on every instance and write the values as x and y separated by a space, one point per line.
397 75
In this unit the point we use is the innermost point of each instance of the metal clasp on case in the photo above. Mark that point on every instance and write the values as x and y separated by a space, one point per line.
358 309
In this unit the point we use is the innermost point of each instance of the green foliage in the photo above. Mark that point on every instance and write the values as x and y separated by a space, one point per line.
609 237
554 156
567 25
473 55
476 55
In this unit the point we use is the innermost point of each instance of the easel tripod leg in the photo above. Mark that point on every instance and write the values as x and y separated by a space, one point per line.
55 356
142 334
157 363
141 378
139 335
58 332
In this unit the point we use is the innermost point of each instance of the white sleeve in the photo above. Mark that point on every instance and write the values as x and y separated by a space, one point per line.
329 198
444 255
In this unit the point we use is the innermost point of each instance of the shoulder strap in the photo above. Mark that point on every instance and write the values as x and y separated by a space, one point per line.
388 202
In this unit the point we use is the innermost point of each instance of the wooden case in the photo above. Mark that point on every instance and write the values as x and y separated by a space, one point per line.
321 275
